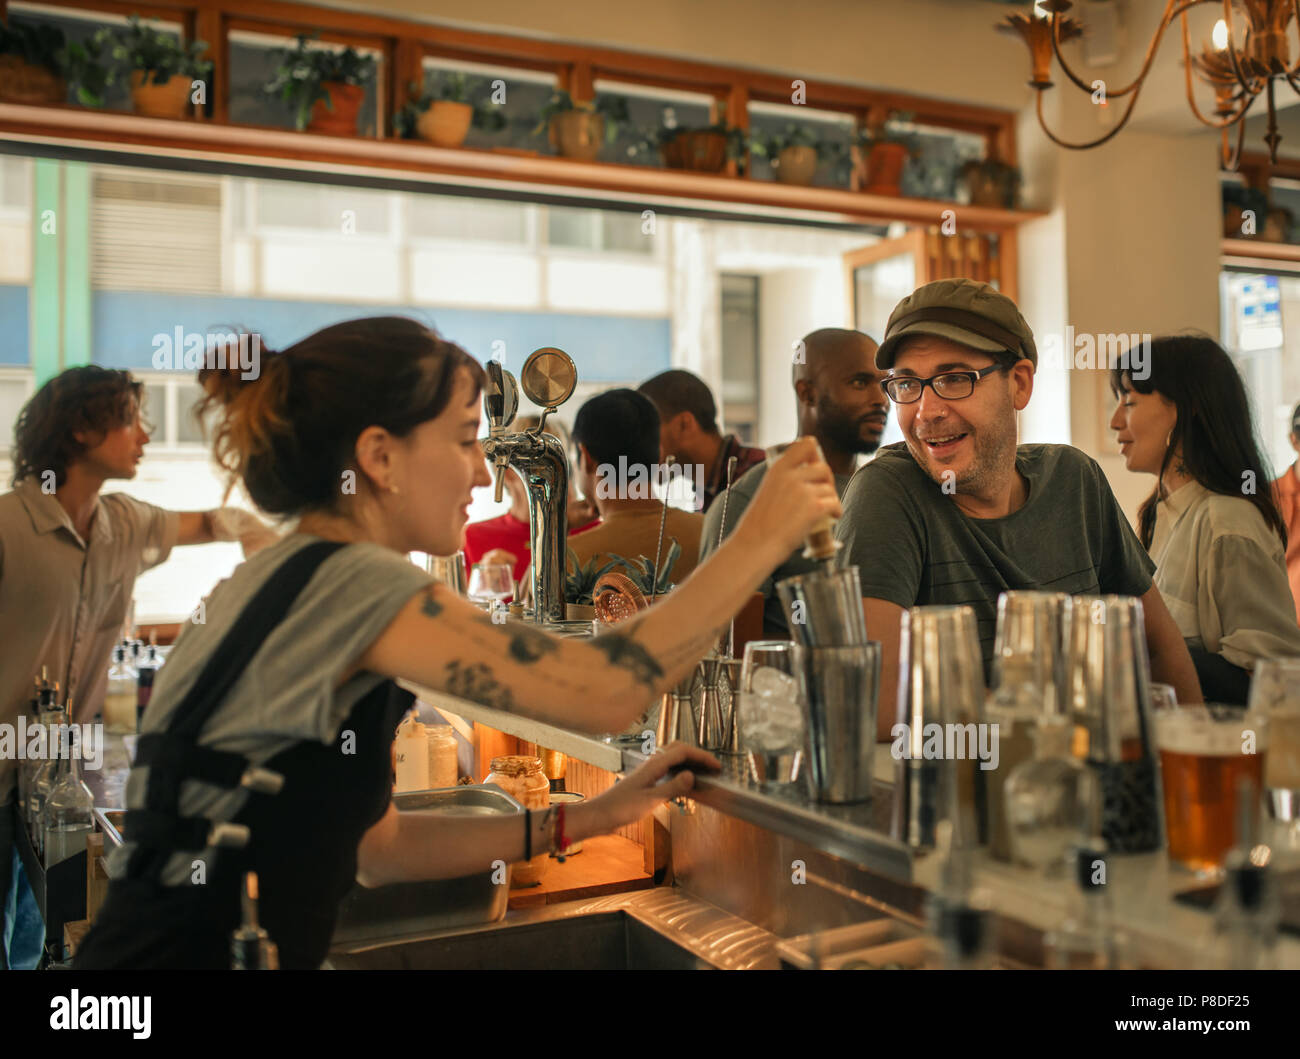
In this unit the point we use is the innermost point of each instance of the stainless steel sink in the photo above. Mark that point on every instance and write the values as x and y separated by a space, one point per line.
650 930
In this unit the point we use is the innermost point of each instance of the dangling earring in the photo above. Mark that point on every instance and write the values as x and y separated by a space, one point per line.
394 490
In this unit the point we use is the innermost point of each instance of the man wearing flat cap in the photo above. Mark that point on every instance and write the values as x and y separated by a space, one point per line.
957 513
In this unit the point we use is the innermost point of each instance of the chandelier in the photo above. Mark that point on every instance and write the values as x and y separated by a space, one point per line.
1238 64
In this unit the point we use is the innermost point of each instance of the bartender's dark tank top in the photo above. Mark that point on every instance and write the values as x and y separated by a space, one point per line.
303 842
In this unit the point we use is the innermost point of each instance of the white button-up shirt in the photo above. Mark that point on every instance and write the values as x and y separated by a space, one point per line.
1221 571
63 600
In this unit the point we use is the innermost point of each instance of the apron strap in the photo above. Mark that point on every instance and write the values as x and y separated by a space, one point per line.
174 755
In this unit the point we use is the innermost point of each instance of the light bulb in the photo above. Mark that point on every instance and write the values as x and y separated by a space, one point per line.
1220 35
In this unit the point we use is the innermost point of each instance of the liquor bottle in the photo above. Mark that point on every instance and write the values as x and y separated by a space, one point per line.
69 810
1042 798
1248 908
27 765
554 766
960 913
1087 939
144 683
121 694
251 947
53 720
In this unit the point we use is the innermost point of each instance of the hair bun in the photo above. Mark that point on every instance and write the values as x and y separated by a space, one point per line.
228 372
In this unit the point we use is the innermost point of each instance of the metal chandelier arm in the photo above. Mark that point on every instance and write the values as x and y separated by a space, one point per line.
1172 7
1231 159
1213 123
1042 124
1232 51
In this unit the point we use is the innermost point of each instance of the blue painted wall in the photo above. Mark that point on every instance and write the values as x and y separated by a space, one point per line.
15 337
605 348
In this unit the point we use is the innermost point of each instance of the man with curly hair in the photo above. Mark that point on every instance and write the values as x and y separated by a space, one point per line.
69 557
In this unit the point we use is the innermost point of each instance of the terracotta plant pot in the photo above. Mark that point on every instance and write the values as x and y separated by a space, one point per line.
445 124
579 612
885 168
171 99
796 165
341 119
702 150
991 184
24 82
578 134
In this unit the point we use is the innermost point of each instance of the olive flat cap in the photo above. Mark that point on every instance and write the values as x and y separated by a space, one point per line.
963 311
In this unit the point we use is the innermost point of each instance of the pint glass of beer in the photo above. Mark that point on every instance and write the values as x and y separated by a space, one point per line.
1204 753
1275 691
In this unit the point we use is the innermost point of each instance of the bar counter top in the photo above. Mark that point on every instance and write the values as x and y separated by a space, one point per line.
1161 932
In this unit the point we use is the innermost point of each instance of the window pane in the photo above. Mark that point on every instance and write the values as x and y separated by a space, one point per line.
154 411
443 217
622 234
650 110
739 341
13 395
579 229
834 133
188 430
288 204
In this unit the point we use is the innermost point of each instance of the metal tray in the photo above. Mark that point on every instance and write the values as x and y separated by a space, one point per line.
405 908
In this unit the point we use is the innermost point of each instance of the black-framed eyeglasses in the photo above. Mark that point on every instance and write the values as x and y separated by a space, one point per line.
950 385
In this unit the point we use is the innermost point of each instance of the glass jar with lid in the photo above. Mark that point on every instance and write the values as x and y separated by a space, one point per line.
521 777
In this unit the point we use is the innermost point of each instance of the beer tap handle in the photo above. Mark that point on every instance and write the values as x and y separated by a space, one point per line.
502 466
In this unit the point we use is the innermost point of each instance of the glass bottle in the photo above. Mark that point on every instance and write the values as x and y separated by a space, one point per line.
53 721
69 811
1087 939
144 683
1248 908
960 913
27 765
1016 707
121 694
251 947
1043 802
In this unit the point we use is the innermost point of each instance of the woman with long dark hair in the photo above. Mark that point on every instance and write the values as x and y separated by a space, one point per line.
1211 525
266 745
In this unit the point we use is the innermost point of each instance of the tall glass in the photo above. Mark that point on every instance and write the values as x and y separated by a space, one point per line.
839 688
1204 753
449 570
1275 691
769 714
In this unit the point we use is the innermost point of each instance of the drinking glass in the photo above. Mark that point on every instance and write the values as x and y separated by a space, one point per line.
1275 692
491 583
1205 751
769 713
1163 697
449 570
839 687
1028 647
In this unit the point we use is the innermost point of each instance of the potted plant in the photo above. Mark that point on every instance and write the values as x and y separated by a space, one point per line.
579 582
31 68
887 148
794 153
442 113
160 68
990 182
580 130
704 150
325 88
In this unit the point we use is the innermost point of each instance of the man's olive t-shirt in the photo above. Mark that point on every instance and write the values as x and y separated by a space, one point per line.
913 546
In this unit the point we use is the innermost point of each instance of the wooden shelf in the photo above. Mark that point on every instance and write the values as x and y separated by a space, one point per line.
608 864
1258 250
68 126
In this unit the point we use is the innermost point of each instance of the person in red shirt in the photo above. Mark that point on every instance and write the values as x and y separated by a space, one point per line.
506 538
1288 501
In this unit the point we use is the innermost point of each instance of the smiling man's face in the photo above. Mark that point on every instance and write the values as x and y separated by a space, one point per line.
970 442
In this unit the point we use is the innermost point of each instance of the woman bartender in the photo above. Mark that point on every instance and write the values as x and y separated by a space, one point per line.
266 744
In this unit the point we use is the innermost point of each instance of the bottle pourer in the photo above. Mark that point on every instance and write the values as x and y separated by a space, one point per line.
251 947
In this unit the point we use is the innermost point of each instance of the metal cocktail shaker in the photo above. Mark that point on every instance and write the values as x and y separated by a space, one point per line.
1109 702
824 608
839 687
940 706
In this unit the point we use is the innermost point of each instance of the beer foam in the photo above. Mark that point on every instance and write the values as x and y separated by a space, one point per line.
1193 731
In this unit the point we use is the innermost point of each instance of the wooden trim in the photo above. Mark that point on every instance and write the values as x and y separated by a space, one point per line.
341 26
1255 163
210 27
1009 263
1246 250
134 134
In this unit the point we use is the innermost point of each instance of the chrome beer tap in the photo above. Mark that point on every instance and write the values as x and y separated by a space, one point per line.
549 377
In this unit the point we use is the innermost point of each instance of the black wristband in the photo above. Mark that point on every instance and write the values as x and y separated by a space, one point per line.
528 834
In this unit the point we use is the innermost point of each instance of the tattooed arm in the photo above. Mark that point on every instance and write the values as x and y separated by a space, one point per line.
604 684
